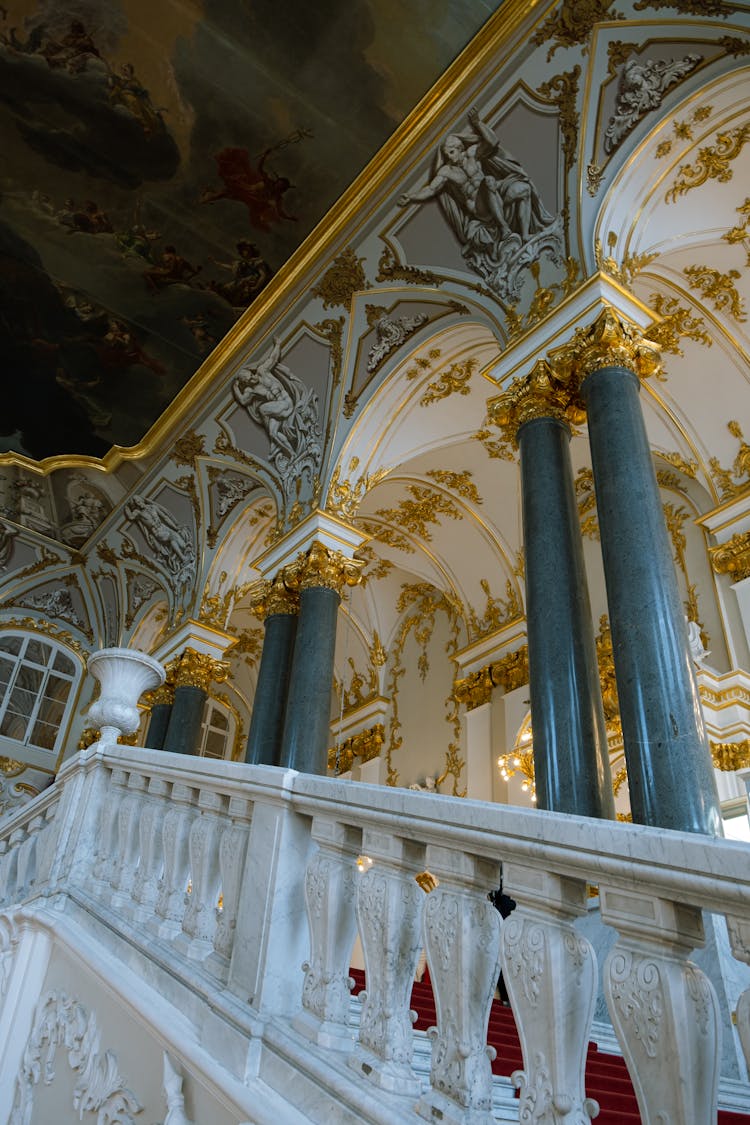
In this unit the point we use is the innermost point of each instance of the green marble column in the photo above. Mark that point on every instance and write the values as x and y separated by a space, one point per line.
192 673
280 607
670 772
320 576
571 756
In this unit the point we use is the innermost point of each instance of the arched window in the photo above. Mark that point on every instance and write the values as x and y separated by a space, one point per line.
217 731
37 679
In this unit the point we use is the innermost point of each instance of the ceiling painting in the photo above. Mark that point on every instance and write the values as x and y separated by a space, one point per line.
160 164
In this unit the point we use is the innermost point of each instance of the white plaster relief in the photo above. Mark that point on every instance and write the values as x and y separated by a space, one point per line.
642 86
100 1088
171 542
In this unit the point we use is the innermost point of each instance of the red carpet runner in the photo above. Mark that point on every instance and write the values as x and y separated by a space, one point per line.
607 1077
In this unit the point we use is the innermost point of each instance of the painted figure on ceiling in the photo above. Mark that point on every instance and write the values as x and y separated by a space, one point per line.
125 90
259 188
286 409
250 272
490 203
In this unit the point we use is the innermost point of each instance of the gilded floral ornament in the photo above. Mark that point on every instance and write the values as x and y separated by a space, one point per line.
344 278
197 669
461 483
453 381
627 269
537 395
365 745
494 447
321 567
675 323
423 508
390 269
734 481
739 235
571 24
608 342
594 176
344 497
498 611
713 162
188 449
719 288
732 557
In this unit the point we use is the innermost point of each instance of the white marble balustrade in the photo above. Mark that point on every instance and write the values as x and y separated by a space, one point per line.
153 842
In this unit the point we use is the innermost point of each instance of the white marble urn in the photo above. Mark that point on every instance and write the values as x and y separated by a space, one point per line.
123 674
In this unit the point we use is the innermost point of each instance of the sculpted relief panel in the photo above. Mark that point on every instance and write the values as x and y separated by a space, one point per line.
491 205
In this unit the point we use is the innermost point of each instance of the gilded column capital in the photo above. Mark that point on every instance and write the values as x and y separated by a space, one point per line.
728 756
537 395
320 566
475 689
275 596
197 669
609 342
733 557
512 670
365 745
162 694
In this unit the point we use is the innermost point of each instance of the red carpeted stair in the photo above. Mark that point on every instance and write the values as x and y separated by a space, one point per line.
607 1078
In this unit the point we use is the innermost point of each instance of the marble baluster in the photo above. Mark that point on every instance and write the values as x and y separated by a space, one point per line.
170 903
199 920
330 886
389 916
550 972
462 939
146 882
663 1008
739 938
128 840
107 836
232 854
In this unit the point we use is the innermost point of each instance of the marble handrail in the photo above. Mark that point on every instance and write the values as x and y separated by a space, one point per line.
301 863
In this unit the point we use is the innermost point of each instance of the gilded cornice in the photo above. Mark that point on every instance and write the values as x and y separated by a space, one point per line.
197 669
322 567
733 557
537 395
728 756
609 342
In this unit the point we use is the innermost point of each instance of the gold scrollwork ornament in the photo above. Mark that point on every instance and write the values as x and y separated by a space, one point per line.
609 342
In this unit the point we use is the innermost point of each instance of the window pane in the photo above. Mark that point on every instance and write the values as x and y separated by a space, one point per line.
14 726
38 652
215 745
29 678
64 664
6 669
51 711
57 688
44 735
10 644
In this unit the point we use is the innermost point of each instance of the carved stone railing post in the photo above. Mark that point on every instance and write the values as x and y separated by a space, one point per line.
232 853
27 857
462 939
146 882
330 891
170 902
109 829
9 866
389 915
550 972
199 921
663 1008
128 840
739 937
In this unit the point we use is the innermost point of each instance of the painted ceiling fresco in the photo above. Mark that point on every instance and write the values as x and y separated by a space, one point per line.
160 162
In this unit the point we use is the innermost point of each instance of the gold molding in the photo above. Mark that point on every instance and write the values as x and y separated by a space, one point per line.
609 342
540 394
365 745
321 567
